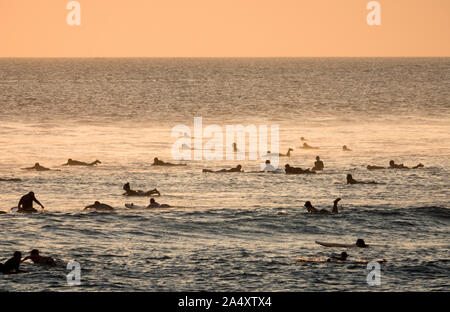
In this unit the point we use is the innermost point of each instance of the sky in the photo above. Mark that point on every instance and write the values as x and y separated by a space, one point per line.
224 28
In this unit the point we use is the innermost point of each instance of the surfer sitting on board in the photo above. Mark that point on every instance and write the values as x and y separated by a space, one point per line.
26 203
313 210
38 259
157 162
130 192
350 180
12 265
318 165
238 168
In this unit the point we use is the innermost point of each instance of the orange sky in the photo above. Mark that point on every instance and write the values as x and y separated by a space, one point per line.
223 28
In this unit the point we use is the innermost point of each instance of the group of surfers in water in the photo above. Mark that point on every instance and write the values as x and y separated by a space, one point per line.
70 162
25 204
12 265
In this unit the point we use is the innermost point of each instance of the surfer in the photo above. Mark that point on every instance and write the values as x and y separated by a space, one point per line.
288 154
99 206
38 259
235 169
296 170
346 149
10 180
157 162
307 146
313 210
268 167
318 164
350 180
393 165
154 204
370 167
71 162
359 244
37 167
12 265
235 149
130 192
26 203
342 257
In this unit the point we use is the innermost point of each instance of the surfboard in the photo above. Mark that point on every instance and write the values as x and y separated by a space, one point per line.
336 245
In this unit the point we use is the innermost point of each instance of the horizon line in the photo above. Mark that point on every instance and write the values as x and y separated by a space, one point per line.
212 57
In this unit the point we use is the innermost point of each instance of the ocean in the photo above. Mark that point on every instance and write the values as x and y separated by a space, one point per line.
227 232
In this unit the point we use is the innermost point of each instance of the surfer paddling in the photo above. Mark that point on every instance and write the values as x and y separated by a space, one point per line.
238 168
130 192
157 162
311 209
36 258
71 162
359 244
98 206
37 167
350 180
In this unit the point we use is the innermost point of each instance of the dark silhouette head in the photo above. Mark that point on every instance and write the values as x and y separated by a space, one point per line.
360 243
267 162
69 160
391 163
34 252
308 204
317 158
36 165
97 203
344 255
31 194
152 200
349 178
17 255
155 159
126 186
239 167
287 166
